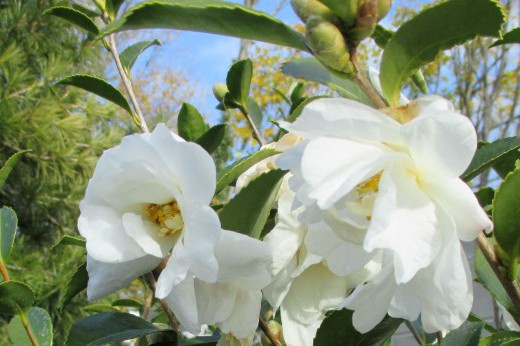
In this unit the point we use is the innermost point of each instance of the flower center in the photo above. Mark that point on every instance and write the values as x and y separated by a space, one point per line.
367 192
167 216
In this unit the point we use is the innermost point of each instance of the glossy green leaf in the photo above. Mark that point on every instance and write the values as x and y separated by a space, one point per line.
312 70
212 138
421 39
8 226
466 335
337 329
489 280
231 173
506 164
76 282
86 11
113 6
129 56
75 17
238 81
190 123
9 165
501 338
211 16
40 325
165 338
255 112
99 87
511 37
248 211
15 297
98 308
71 240
108 327
485 197
474 318
506 211
128 303
489 154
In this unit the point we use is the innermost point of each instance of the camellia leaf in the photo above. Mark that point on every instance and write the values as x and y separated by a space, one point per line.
466 335
311 69
9 165
249 210
211 16
502 338
231 173
40 325
511 37
190 123
474 318
113 6
337 329
86 11
76 282
239 81
486 276
506 209
419 41
99 87
75 17
108 327
71 240
489 154
506 164
131 53
15 297
8 226
255 112
212 138
127 302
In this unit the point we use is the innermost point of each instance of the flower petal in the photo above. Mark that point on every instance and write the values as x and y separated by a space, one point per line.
183 302
244 318
296 333
174 272
215 301
146 235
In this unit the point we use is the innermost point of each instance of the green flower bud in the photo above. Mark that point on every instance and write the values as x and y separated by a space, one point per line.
329 45
344 9
383 6
220 90
370 12
306 9
420 82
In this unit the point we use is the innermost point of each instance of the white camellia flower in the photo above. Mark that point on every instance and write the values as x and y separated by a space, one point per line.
233 302
148 195
393 187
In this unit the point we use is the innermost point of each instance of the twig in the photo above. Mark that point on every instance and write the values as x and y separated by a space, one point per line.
252 126
147 303
127 83
3 271
511 287
167 311
27 327
439 337
274 340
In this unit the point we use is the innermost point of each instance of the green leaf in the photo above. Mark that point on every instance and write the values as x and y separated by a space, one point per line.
506 163
9 165
485 196
108 327
190 123
127 302
231 173
501 338
212 138
40 325
466 335
112 6
15 297
506 209
312 70
382 35
71 240
337 329
474 318
299 109
97 308
131 53
8 226
248 211
420 40
255 112
511 37
238 81
99 87
489 154
489 280
87 11
75 283
75 17
211 16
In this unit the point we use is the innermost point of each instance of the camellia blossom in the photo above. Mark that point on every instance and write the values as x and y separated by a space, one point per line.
148 195
389 181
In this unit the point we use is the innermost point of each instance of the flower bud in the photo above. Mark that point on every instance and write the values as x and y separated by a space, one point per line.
344 9
370 12
306 9
329 45
383 6
220 90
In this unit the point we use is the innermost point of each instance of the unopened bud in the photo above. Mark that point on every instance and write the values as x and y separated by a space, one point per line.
344 9
370 12
220 90
383 7
329 45
306 9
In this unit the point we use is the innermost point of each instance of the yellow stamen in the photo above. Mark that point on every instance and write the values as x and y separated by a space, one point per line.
167 216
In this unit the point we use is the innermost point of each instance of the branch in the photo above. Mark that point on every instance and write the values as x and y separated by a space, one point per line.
274 340
167 311
252 126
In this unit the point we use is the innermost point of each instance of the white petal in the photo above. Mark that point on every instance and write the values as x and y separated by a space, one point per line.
284 243
342 118
215 301
191 165
405 303
404 221
146 235
443 142
107 240
183 302
462 205
244 317
243 260
276 291
174 272
106 278
296 333
201 233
